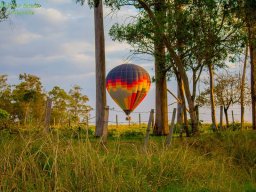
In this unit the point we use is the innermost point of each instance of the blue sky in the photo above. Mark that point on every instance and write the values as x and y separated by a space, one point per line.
57 44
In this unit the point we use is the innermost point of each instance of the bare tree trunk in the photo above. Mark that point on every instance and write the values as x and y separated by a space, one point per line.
183 99
180 118
100 68
252 46
242 86
161 118
184 112
180 114
213 106
226 116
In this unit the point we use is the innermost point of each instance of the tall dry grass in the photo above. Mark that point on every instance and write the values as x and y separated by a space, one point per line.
71 162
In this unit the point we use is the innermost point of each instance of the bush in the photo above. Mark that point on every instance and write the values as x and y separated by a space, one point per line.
4 119
4 115
131 134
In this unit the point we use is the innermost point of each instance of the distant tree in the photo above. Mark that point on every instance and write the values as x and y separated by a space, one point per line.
227 92
4 117
29 99
60 103
78 107
5 94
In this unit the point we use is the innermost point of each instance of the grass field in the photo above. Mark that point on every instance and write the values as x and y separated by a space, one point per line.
67 160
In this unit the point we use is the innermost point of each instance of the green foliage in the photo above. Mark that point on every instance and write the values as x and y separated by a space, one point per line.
60 101
5 7
78 108
26 102
28 99
4 119
4 115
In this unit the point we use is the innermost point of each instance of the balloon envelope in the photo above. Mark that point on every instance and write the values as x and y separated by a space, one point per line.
128 84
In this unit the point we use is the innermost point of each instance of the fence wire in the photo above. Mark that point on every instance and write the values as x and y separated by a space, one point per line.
204 115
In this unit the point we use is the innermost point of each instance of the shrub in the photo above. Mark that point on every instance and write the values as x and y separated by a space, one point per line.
4 115
4 119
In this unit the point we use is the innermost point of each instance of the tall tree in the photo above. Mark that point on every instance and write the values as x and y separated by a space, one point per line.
250 13
161 104
101 101
243 85
5 94
245 10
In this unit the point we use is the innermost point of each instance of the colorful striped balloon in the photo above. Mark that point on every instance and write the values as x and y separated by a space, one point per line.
128 84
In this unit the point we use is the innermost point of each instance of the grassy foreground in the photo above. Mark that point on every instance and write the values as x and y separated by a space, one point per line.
67 161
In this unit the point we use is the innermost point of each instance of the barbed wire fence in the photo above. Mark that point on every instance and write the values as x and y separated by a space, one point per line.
201 112
141 117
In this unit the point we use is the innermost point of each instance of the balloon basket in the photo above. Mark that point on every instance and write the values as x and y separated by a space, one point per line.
128 118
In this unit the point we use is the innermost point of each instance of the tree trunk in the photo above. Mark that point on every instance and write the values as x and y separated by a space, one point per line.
183 104
242 87
100 68
180 114
213 106
180 117
252 46
226 116
184 110
161 118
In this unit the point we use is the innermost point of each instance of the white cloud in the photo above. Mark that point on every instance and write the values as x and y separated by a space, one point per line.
26 37
60 1
117 47
51 15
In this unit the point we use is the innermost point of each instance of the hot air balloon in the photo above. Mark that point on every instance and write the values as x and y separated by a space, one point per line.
128 84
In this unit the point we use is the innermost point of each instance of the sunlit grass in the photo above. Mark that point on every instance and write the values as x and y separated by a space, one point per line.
68 161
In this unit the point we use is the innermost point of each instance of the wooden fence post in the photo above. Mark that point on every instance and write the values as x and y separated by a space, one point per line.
87 126
151 116
181 126
69 121
105 130
116 121
169 137
197 114
233 119
153 119
48 110
139 121
221 116
54 122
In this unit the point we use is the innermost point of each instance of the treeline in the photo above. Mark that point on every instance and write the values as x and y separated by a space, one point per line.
25 103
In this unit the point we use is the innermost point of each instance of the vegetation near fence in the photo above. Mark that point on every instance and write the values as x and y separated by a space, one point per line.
68 160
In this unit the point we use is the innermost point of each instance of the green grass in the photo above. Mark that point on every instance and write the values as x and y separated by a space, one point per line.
66 160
